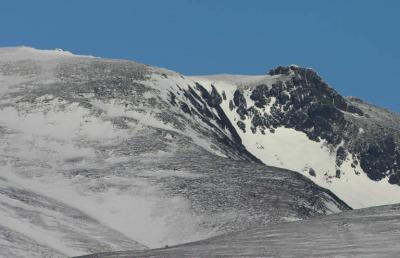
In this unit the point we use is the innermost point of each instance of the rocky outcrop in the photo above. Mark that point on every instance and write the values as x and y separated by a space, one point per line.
302 100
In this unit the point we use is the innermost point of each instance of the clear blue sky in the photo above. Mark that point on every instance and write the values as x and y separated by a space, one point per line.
354 45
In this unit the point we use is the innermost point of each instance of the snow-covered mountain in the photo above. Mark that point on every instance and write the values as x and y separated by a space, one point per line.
100 155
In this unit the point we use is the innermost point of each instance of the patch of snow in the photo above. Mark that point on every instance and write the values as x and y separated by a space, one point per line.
60 124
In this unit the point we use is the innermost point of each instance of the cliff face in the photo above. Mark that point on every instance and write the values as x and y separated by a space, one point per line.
291 118
369 133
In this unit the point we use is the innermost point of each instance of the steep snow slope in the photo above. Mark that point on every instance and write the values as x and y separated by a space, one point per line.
371 232
102 155
332 150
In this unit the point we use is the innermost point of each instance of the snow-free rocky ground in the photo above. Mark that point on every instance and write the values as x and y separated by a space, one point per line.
100 155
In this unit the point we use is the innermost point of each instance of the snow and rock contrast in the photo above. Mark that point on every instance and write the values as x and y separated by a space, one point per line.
100 155
292 119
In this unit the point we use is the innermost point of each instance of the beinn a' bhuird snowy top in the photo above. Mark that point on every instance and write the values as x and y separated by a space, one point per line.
102 155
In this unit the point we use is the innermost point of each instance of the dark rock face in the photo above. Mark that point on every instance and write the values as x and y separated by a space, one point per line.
340 156
394 179
240 103
379 159
304 102
280 70
206 106
223 95
185 108
231 106
242 126
216 99
172 98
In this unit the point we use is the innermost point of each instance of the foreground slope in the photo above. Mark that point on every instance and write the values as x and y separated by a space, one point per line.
103 155
370 232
